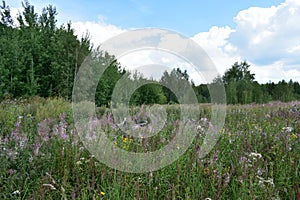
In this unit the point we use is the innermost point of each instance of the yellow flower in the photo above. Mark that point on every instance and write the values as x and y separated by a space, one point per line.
206 171
125 139
28 115
294 136
102 193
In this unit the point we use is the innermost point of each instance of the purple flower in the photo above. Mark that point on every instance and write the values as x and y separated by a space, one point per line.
5 140
64 136
14 134
44 129
62 128
11 171
36 149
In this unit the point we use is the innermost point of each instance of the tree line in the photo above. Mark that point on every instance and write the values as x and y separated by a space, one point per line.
38 58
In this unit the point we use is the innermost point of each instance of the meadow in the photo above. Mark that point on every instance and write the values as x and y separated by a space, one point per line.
256 157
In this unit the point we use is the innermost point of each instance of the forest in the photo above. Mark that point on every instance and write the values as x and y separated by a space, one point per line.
48 153
38 58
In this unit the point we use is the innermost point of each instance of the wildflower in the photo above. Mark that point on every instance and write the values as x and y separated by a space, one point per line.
200 128
125 139
64 136
79 163
262 181
11 171
28 115
259 172
49 185
16 192
15 134
37 147
243 158
102 193
43 129
62 129
204 119
12 154
5 140
226 177
206 171
293 136
23 142
30 159
287 129
255 155
55 129
81 148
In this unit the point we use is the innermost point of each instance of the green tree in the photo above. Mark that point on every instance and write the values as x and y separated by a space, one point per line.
239 83
283 91
175 82
37 57
150 92
296 86
110 77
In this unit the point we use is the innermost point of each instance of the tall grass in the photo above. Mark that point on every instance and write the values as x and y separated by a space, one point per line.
256 157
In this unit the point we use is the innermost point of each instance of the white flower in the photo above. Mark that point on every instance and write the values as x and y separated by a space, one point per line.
49 185
255 155
204 119
16 192
259 172
287 129
79 163
262 181
200 128
226 177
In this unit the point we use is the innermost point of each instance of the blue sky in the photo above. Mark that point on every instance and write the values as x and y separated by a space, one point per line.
266 33
186 17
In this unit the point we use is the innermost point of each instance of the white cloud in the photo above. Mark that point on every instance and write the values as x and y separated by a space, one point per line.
268 38
153 62
99 31
215 44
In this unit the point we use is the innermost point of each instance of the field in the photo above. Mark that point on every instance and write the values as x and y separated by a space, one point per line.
256 156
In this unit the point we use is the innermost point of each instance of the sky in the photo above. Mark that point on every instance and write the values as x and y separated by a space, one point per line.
265 33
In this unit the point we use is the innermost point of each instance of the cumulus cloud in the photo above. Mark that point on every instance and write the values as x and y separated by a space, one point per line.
268 38
152 63
215 44
99 31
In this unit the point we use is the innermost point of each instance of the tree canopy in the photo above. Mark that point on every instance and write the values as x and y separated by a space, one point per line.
40 58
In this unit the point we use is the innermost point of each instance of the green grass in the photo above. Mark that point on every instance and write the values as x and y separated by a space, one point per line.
256 157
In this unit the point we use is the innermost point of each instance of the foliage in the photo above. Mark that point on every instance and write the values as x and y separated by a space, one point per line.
37 57
256 157
174 85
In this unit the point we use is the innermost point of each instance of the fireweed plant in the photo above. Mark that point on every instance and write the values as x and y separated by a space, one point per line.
256 157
